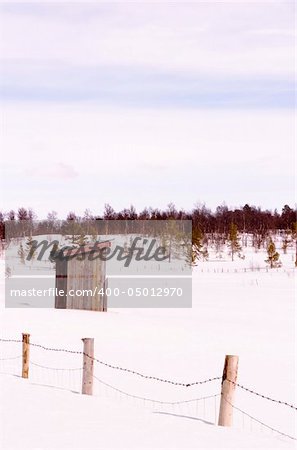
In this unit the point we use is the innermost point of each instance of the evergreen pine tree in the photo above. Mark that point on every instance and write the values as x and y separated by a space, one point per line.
273 255
234 244
285 245
198 250
29 249
21 253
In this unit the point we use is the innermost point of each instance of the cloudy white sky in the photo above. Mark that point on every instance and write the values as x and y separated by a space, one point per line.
146 103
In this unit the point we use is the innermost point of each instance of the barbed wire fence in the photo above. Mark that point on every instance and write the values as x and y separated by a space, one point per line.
204 408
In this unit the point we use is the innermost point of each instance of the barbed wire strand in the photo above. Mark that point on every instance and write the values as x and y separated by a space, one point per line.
149 377
161 402
251 391
260 422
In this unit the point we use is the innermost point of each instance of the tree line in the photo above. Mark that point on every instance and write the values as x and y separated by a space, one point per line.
248 219
217 228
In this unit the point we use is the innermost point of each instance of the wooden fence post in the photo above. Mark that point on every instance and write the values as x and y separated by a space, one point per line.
26 355
88 366
227 392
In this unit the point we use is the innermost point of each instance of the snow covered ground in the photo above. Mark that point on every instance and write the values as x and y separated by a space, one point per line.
235 310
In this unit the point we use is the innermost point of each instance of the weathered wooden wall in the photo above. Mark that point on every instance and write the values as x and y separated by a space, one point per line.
61 283
76 273
85 275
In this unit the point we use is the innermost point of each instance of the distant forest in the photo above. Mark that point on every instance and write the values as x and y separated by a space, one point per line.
247 219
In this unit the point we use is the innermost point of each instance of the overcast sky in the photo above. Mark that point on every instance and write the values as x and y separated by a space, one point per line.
147 104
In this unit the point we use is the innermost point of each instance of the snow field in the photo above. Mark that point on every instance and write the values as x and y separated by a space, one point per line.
250 314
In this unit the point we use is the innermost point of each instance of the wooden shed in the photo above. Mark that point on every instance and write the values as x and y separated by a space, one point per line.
80 280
